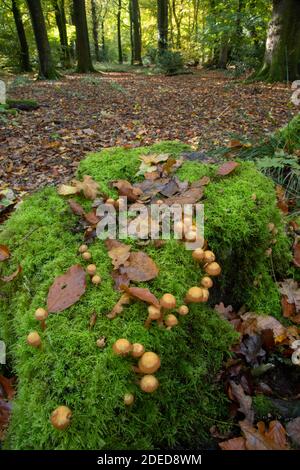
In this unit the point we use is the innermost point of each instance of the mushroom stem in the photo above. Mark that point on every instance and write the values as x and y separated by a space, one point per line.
43 325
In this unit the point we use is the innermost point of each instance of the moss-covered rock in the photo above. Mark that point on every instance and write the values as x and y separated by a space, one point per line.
70 370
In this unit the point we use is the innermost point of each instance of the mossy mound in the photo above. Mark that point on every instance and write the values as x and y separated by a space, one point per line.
44 236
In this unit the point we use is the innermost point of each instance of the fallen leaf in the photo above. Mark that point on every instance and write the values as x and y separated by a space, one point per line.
251 349
244 401
7 385
257 439
235 144
290 289
4 253
119 255
67 190
259 323
288 310
191 196
118 308
88 186
126 189
282 203
67 289
93 320
293 430
237 443
119 280
277 434
140 293
296 258
75 207
5 411
154 158
227 168
12 276
225 312
140 267
92 218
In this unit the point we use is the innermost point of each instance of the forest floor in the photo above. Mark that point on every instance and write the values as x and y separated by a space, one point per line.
83 113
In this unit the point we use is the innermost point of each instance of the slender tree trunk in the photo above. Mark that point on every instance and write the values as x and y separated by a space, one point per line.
47 69
103 46
136 32
60 16
162 22
95 30
82 38
24 50
223 54
120 52
171 24
178 24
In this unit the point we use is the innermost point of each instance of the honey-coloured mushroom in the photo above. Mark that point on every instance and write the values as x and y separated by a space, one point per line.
86 256
96 280
122 347
209 256
194 295
154 313
34 339
149 383
213 269
149 363
206 282
128 399
183 310
198 254
61 417
205 295
41 315
171 321
83 248
137 350
91 269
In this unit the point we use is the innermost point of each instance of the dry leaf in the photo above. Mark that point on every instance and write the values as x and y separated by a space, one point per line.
76 208
296 258
227 168
92 218
7 385
293 430
126 189
4 253
140 293
119 255
67 190
191 196
258 439
118 308
290 289
88 186
260 323
140 268
154 158
12 276
67 289
244 401
237 443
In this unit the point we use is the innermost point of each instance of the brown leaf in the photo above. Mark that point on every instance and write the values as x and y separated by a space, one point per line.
126 189
119 255
4 252
258 439
227 168
140 268
191 196
296 258
154 158
282 203
120 279
140 293
290 289
92 218
5 411
12 276
76 208
118 308
244 401
235 144
225 312
67 190
277 434
293 430
7 385
288 310
67 289
93 320
261 323
88 186
237 443
110 244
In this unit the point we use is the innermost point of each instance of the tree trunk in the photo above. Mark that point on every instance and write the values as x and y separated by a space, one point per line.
82 38
282 56
47 69
178 24
119 32
103 46
136 32
60 17
223 54
162 23
95 30
24 50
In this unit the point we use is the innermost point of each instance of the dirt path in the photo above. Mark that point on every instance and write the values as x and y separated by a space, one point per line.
79 114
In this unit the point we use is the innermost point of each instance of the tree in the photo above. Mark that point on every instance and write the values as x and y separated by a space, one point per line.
24 50
120 52
46 64
84 64
282 55
162 23
60 17
136 33
95 22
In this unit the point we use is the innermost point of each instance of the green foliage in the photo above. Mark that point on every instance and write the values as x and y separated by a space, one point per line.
263 407
170 62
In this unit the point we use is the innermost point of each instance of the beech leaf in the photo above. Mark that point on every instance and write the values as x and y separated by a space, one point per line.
237 443
227 168
4 253
140 268
140 293
12 276
67 289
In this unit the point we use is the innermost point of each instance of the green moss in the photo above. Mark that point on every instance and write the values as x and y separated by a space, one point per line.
44 237
263 407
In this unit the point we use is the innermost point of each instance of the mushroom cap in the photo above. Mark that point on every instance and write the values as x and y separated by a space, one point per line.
207 282
91 269
149 383
122 347
61 417
183 310
86 255
205 294
96 279
128 399
154 312
271 226
149 363
209 256
194 294
213 269
137 350
83 248
191 236
41 314
110 200
168 301
198 254
171 320
34 339
296 357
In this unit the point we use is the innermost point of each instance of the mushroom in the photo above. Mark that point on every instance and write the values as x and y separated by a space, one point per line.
149 383
41 315
101 342
271 227
34 339
194 295
96 280
268 252
149 363
205 295
137 350
206 282
154 313
171 321
213 269
128 399
61 417
110 201
86 256
83 248
209 257
183 310
198 254
191 236
168 301
122 347
296 357
91 269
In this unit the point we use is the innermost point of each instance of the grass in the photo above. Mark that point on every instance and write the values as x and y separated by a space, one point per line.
44 236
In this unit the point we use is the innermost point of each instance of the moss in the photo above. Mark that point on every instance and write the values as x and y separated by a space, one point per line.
44 236
263 407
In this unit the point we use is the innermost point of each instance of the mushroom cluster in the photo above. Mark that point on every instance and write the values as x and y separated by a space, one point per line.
91 268
197 294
